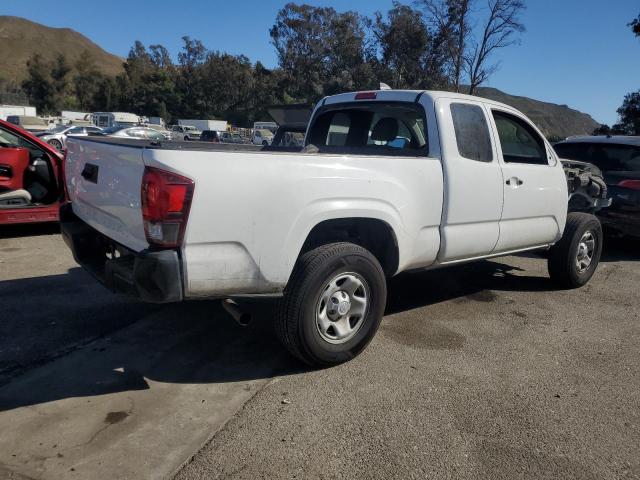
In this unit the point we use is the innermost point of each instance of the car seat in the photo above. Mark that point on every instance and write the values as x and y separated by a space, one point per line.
386 130
13 165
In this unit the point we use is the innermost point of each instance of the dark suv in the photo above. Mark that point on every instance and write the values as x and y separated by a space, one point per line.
210 136
619 159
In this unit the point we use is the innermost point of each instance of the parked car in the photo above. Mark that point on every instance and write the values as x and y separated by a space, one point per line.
138 132
30 177
30 124
161 129
185 132
57 137
262 137
618 157
387 181
210 136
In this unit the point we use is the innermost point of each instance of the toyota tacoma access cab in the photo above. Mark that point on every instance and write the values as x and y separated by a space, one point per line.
387 181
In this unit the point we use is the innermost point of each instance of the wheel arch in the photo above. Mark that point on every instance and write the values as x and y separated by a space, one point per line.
374 234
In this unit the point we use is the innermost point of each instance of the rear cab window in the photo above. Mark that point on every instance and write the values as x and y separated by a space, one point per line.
370 128
472 132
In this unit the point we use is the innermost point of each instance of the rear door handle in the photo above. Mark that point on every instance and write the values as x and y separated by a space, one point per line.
514 182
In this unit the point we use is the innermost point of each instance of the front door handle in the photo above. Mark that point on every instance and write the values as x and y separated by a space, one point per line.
514 182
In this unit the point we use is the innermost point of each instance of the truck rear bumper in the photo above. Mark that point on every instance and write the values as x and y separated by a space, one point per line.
151 276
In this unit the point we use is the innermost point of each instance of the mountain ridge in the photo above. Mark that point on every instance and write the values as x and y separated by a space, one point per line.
21 38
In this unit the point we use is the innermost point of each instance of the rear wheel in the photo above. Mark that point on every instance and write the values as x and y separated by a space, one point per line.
333 304
574 259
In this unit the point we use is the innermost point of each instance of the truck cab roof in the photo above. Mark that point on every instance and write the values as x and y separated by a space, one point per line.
404 96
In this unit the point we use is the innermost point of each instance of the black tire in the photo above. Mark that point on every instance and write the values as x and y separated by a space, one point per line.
186 138
56 144
265 143
562 262
295 319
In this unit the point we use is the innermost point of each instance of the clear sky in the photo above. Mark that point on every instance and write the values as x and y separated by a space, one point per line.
574 52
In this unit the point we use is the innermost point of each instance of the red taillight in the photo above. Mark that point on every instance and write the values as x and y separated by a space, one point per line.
632 184
366 96
166 200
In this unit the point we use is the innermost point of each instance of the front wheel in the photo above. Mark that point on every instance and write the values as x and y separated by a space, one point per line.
333 304
574 259
56 144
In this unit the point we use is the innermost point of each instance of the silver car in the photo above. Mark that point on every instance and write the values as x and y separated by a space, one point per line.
139 132
57 137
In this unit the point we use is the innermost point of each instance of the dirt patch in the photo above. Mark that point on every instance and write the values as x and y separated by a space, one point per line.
423 334
115 417
484 296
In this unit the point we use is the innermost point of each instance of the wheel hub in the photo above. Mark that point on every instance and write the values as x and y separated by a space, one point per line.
586 248
339 305
342 308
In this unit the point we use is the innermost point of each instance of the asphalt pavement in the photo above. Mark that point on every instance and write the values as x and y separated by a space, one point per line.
478 371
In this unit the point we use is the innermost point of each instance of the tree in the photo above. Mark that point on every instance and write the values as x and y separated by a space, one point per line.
635 26
39 85
321 51
86 81
452 21
500 31
60 70
190 59
300 37
629 113
409 55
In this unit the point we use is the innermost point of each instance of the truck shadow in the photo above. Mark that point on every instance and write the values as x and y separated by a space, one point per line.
476 281
621 249
29 230
191 343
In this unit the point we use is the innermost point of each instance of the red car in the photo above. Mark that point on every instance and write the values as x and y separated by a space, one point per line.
30 177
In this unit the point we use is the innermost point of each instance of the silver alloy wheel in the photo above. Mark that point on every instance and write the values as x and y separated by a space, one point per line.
342 307
586 247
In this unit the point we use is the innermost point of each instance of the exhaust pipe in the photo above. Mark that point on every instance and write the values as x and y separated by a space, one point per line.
242 318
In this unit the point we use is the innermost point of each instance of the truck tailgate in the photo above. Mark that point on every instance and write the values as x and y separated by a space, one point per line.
103 182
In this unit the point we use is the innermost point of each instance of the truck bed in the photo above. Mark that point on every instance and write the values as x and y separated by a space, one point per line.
176 145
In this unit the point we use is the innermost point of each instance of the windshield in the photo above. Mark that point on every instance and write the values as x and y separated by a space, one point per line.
115 129
60 129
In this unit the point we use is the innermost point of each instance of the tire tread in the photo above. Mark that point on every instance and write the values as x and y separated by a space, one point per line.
289 308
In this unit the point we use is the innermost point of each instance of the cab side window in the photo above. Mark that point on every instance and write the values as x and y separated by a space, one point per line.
472 132
519 142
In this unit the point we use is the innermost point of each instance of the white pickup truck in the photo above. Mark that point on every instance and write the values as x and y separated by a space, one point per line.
388 181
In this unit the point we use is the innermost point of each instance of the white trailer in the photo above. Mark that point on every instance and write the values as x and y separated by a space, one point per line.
112 119
6 110
76 118
202 125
